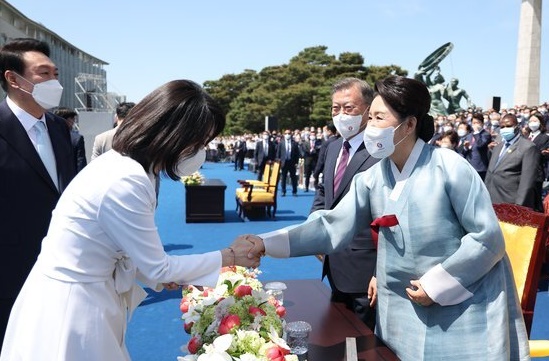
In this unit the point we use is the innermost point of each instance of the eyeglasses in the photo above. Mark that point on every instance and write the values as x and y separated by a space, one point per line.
347 109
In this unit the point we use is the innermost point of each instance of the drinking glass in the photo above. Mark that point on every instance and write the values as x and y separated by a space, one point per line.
276 289
297 338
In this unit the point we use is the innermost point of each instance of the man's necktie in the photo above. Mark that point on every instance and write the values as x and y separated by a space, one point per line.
288 150
342 165
45 150
503 151
389 220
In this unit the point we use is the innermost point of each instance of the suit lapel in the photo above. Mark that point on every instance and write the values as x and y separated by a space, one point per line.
15 135
358 159
332 152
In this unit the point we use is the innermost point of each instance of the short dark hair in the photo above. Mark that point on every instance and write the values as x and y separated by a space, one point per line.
65 113
171 123
123 109
479 117
408 98
365 88
11 56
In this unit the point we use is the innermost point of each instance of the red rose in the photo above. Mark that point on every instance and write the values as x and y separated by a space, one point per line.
276 353
205 293
194 345
281 311
228 323
184 306
188 326
253 310
242 290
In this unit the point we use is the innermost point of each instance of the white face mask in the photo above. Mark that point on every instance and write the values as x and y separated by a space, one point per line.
379 142
347 125
47 94
534 126
190 165
287 136
462 132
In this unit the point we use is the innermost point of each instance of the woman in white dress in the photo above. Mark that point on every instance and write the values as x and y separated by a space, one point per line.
445 290
102 237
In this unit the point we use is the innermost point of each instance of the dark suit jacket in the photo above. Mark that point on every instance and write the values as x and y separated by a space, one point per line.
79 150
259 154
477 155
542 142
27 195
281 154
513 179
352 268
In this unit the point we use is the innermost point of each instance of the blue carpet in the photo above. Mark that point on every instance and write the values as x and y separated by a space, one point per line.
155 333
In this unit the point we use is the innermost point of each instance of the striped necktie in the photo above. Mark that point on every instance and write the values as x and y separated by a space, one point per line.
344 159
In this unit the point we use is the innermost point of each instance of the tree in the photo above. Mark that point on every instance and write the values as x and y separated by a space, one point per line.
297 93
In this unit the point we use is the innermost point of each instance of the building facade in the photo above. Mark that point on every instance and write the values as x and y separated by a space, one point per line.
82 75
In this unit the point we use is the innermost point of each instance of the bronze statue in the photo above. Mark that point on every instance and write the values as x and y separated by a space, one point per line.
454 94
438 90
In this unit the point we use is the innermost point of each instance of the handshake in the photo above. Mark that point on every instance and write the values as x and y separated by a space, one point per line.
246 251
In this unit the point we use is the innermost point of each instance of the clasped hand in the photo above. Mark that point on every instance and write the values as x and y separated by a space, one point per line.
248 250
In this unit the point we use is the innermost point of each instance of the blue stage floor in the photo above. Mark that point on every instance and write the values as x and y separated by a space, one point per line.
156 333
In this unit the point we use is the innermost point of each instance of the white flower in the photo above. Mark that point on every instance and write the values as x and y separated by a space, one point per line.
217 350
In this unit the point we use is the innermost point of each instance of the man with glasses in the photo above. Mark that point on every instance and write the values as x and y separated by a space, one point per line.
350 271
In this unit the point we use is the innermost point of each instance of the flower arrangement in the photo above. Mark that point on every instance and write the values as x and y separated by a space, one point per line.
235 321
194 179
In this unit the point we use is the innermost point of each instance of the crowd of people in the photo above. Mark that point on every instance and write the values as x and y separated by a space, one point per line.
508 148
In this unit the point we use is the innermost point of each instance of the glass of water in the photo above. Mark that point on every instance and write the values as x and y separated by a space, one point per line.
297 338
276 289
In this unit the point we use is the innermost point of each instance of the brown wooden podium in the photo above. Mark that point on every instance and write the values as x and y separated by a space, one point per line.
332 323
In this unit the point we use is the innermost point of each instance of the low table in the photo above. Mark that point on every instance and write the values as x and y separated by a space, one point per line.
205 202
332 323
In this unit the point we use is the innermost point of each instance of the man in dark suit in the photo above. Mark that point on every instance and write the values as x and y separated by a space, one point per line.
474 147
77 139
349 271
310 149
239 151
540 138
288 152
513 167
265 150
330 134
29 189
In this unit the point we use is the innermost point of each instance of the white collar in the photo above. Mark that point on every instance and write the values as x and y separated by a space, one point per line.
410 162
27 120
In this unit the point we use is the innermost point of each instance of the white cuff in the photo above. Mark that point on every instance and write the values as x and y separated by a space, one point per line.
443 288
277 243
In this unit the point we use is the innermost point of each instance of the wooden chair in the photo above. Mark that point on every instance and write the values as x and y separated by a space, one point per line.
251 197
264 182
525 233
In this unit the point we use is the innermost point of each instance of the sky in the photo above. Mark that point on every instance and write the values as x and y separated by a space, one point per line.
148 43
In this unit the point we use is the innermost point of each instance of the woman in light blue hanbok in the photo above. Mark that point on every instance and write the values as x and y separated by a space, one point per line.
445 289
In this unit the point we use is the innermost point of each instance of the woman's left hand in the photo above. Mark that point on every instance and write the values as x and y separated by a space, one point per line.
417 294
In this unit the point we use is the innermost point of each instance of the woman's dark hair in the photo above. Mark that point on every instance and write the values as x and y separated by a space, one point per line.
539 117
172 123
408 98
